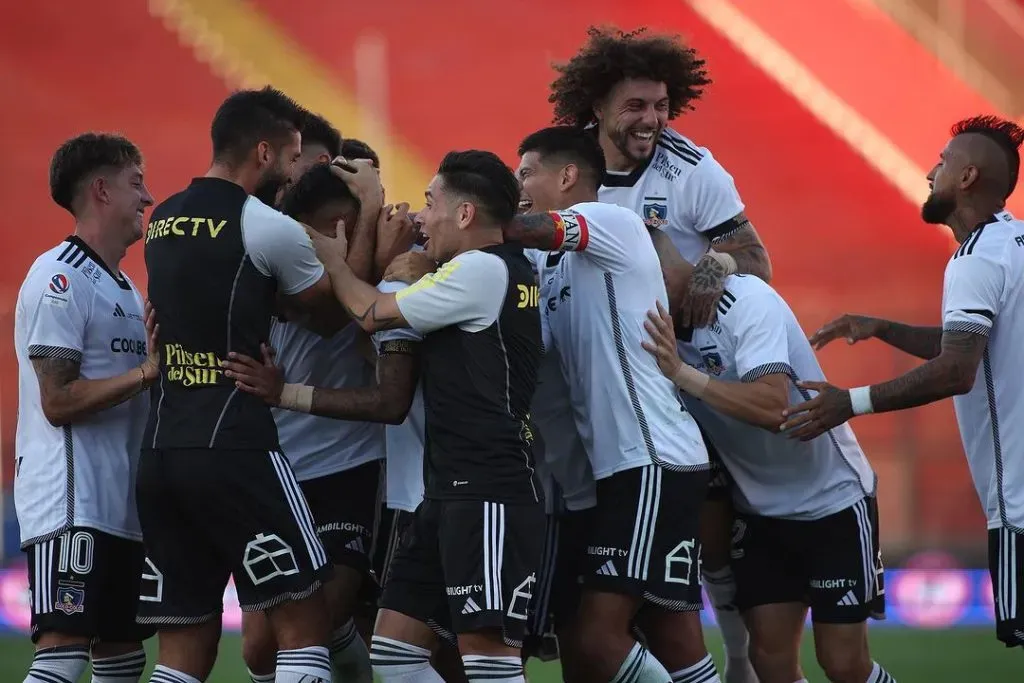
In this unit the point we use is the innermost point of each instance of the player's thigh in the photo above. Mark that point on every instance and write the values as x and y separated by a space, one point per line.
344 507
1006 567
840 553
124 564
184 574
767 567
490 554
415 580
775 633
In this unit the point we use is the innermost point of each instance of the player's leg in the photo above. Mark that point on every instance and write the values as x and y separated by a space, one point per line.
615 569
413 597
669 554
183 580
540 639
573 532
716 522
259 647
282 563
771 587
1006 567
842 557
490 553
117 653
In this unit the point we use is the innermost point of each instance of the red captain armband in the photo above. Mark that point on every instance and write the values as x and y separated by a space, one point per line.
571 231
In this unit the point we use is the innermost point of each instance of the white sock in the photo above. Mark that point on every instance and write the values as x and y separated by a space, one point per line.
397 662
262 678
879 675
721 588
62 663
299 666
125 668
701 672
164 674
485 669
640 666
349 655
802 680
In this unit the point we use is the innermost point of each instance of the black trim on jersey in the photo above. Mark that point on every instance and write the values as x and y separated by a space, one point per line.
78 252
726 228
968 246
681 150
768 369
630 179
627 372
681 143
58 352
972 328
553 258
726 302
980 311
997 448
69 477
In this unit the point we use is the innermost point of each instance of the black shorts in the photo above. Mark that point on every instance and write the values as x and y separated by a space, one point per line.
388 529
719 480
1006 567
468 566
86 583
831 564
344 507
208 514
644 538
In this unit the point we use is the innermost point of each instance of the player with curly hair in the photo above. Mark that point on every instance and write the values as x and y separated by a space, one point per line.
627 87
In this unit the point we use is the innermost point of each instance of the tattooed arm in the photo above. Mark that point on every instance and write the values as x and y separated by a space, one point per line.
742 242
368 308
950 373
535 231
923 342
67 398
398 369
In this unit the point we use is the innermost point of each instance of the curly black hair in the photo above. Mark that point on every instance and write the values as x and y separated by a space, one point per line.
610 56
80 157
1007 134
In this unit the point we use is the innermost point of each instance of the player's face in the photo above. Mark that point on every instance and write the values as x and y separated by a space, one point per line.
277 164
441 221
128 198
632 117
944 181
325 218
541 184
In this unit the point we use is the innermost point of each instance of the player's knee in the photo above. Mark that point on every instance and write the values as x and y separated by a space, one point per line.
301 623
259 648
773 662
716 519
486 642
843 662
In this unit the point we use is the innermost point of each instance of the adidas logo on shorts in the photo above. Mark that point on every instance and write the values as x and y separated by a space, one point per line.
357 545
608 569
848 600
470 607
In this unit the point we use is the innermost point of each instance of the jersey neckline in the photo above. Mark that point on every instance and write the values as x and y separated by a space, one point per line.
118 278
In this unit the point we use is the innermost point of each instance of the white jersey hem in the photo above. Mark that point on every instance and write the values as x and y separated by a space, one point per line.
843 504
643 461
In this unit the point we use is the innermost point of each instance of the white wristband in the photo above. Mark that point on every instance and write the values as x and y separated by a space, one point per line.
727 261
860 400
297 397
690 380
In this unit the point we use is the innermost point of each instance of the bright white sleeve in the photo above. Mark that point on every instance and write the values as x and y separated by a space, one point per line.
468 291
710 199
57 307
606 234
973 292
398 333
756 322
280 248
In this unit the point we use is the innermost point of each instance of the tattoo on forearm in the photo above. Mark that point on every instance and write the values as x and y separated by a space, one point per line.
533 230
379 321
744 245
56 373
387 401
947 374
923 342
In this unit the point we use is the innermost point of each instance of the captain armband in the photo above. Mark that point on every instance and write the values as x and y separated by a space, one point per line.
404 347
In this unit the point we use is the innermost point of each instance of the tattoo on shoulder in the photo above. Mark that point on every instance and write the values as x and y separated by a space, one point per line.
58 371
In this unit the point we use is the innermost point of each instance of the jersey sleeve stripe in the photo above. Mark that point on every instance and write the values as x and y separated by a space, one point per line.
768 369
968 246
971 328
726 302
688 158
681 147
727 228
57 352
980 311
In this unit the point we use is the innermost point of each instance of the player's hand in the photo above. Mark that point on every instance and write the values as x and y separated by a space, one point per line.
409 267
812 418
332 251
663 345
396 233
151 366
263 379
706 286
362 179
853 327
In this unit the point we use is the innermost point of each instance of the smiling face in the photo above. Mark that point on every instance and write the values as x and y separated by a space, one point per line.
441 221
541 184
277 163
630 120
126 200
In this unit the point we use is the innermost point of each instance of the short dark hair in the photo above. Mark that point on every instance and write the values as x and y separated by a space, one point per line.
484 178
81 156
319 130
248 117
316 187
569 145
352 148
610 56
1007 134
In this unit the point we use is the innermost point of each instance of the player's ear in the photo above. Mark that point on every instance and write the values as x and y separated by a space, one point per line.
264 153
570 174
99 187
323 158
968 176
465 212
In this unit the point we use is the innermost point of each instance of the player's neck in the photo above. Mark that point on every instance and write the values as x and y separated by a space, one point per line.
966 218
242 177
480 238
614 160
110 252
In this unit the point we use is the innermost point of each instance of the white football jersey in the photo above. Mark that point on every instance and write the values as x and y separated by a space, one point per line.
405 442
983 293
681 190
627 413
319 446
756 334
72 307
562 463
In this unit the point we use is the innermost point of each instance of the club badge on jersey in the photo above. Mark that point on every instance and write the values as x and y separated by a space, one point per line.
655 213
